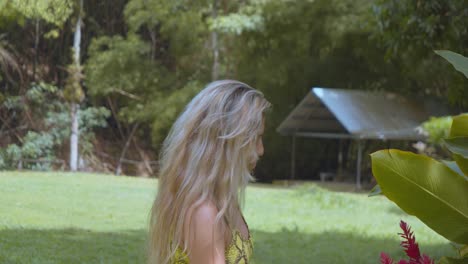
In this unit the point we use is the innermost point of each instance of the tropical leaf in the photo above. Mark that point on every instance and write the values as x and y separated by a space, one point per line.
426 188
454 166
459 126
460 129
458 61
448 260
457 145
375 191
464 251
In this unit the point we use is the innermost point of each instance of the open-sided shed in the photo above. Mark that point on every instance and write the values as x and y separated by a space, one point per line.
357 115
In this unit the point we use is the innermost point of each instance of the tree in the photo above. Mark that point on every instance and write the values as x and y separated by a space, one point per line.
410 30
75 92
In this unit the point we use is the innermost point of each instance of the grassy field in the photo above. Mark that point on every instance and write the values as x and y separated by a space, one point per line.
89 218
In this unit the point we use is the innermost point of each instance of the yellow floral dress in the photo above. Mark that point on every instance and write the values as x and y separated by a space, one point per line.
239 251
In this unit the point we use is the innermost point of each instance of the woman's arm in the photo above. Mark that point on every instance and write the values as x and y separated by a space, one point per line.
206 241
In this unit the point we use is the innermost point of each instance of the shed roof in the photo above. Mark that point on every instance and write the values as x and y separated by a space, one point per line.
340 113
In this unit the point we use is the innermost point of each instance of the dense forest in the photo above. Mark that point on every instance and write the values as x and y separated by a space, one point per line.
139 62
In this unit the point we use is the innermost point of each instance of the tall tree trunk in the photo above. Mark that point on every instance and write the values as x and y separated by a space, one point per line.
36 50
74 138
214 44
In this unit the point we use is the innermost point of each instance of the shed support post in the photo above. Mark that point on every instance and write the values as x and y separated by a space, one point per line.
358 165
340 160
293 158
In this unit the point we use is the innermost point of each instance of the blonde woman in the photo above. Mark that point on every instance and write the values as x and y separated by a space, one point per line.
206 163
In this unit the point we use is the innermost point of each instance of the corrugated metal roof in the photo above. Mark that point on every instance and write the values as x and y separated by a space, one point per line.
339 113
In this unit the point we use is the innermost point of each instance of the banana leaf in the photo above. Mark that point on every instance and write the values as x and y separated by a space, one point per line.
454 166
426 188
458 61
448 260
459 126
457 145
459 130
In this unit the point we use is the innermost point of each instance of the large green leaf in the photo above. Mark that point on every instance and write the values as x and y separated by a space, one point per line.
426 188
375 191
448 260
454 166
459 126
460 129
457 145
458 61
463 251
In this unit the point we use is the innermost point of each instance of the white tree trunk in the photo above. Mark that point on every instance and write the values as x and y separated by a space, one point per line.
74 137
214 44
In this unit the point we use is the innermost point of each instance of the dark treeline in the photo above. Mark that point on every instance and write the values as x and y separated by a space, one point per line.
142 60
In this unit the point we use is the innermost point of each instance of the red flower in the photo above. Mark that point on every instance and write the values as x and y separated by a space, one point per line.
409 244
385 259
411 249
426 260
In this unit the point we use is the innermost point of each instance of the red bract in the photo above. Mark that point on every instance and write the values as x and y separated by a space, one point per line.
409 243
411 249
426 260
385 259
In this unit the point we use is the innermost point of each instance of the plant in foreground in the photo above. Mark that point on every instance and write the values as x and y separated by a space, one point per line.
411 249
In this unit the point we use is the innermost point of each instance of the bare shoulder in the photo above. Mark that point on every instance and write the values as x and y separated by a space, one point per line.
204 214
205 235
201 221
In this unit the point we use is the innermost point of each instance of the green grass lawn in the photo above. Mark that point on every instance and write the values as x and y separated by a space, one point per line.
89 218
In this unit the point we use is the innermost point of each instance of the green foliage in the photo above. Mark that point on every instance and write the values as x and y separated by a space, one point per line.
159 61
89 119
437 128
8 61
458 61
178 39
410 30
420 27
169 109
303 45
73 92
458 145
415 181
35 146
53 11
457 142
434 192
138 53
425 188
47 107
120 64
237 23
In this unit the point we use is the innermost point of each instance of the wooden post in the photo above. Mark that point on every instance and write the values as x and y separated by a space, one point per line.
293 158
340 160
358 165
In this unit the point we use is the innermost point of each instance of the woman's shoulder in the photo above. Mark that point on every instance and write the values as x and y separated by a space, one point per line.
202 219
205 212
205 235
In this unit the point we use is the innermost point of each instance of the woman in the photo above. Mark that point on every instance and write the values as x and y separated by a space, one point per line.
206 163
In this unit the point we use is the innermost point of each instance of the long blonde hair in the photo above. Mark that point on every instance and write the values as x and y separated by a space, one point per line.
205 157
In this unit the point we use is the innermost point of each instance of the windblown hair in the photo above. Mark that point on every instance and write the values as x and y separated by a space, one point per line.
205 157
